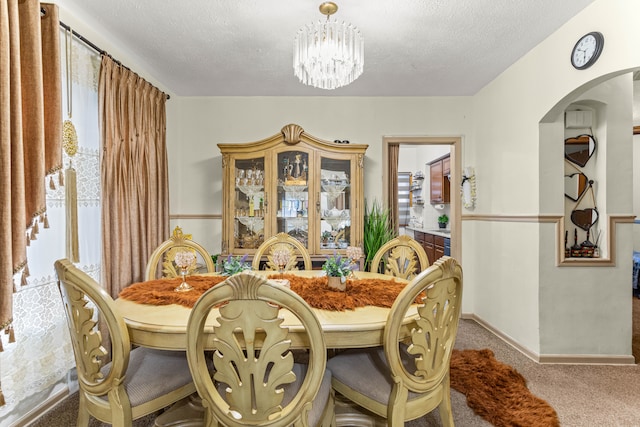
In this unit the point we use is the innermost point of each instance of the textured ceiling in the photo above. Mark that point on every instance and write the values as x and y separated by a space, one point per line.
244 47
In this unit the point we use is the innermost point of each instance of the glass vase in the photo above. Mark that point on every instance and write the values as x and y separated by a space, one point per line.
184 286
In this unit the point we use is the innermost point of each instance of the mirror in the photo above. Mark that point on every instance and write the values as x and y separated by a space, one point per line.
584 218
575 185
579 149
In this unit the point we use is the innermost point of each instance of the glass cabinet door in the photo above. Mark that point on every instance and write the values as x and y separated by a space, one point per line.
292 215
248 203
335 203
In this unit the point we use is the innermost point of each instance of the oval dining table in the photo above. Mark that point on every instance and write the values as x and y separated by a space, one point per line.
165 326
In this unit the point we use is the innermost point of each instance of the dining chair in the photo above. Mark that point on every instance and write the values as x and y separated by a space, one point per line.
402 257
166 252
135 382
256 381
281 242
406 378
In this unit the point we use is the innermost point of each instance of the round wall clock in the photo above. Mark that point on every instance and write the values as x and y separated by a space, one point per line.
587 50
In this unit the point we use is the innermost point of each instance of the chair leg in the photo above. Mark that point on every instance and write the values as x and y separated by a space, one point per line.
83 414
395 413
444 408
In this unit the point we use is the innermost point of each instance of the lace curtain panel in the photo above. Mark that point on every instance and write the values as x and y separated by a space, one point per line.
38 363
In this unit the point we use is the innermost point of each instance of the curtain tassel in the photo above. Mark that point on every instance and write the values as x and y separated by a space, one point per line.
12 334
33 235
2 402
28 239
61 178
52 184
23 280
25 271
35 229
1 350
46 221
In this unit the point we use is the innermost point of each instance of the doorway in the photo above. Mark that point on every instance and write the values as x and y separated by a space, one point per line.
390 147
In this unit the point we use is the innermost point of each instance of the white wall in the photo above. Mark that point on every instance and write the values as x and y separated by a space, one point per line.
545 308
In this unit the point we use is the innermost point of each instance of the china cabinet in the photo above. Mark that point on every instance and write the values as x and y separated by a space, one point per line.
295 183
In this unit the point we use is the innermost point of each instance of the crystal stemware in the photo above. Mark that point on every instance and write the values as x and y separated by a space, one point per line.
184 286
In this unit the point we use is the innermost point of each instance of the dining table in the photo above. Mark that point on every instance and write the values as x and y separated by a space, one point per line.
165 326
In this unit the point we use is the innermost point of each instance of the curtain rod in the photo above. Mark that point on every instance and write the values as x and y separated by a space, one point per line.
94 47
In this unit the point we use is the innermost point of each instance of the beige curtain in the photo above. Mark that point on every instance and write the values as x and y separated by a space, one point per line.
30 133
134 181
394 152
30 130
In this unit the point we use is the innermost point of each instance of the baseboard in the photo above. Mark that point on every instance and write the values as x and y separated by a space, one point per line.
571 359
42 409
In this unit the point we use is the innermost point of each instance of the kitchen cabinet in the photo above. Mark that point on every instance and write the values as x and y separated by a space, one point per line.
439 171
434 245
295 183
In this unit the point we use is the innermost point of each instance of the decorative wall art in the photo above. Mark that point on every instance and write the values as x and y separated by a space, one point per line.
468 188
577 151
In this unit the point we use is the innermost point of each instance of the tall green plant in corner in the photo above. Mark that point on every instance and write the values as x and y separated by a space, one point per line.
377 230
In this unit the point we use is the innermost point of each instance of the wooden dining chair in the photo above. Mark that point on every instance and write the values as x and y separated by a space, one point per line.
166 252
285 242
135 382
256 381
402 257
403 381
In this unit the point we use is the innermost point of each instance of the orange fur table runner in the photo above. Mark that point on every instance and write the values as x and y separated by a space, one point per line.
314 290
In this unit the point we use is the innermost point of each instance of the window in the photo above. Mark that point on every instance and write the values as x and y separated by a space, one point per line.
404 198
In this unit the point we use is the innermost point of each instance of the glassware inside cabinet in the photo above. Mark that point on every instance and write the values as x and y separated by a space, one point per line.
293 195
335 197
249 203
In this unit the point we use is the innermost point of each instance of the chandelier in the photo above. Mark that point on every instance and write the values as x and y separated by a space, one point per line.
328 54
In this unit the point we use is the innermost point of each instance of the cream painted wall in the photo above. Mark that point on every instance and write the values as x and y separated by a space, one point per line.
198 124
543 307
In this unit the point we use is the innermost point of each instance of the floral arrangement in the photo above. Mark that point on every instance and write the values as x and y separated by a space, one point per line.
185 259
354 253
233 265
280 257
337 266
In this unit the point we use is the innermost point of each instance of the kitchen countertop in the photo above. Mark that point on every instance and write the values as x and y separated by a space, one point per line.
445 232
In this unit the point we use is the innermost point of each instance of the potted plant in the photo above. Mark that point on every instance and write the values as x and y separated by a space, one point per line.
337 269
443 220
377 231
233 265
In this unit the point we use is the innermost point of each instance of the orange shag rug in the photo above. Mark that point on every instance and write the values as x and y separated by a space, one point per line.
314 290
497 392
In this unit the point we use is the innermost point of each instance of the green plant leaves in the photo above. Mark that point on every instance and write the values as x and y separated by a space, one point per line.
377 230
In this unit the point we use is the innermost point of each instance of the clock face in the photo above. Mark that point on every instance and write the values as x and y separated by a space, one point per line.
587 50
